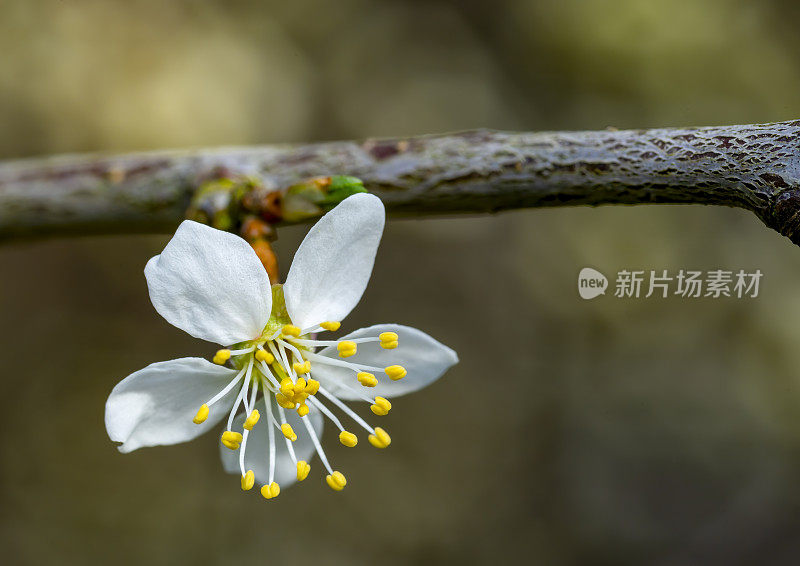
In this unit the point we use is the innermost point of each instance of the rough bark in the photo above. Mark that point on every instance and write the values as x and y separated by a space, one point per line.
755 167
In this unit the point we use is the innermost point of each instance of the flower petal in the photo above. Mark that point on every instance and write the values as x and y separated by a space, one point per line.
332 266
156 405
256 456
210 284
424 358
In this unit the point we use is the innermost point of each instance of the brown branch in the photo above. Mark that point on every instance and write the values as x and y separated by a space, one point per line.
755 167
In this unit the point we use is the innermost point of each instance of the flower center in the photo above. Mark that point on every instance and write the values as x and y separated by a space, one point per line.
280 364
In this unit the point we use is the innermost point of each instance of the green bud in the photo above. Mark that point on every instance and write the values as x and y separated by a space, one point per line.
341 187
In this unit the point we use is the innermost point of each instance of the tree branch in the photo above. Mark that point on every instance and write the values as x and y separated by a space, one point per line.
755 167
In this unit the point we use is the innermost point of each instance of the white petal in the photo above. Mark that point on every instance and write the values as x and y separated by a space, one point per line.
211 284
156 405
332 266
424 358
256 455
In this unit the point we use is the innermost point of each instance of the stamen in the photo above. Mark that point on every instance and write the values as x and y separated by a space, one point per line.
357 391
280 356
239 352
348 439
249 383
271 490
284 401
381 407
335 400
232 436
336 481
331 325
286 345
264 356
291 330
202 414
346 348
389 340
287 431
366 379
300 389
327 412
340 363
241 395
247 433
248 480
287 367
288 441
227 388
275 422
268 375
320 452
251 420
395 372
268 405
307 342
221 357
302 470
231 439
380 439
305 367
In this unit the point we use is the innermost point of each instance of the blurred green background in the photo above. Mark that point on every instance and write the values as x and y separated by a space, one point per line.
613 431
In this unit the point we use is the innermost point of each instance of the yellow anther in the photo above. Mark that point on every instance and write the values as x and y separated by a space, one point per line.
270 490
284 402
389 340
251 421
291 330
346 348
381 407
331 325
302 410
396 372
202 414
336 481
248 480
305 367
231 439
312 386
287 387
380 439
300 385
348 438
232 436
223 355
366 379
264 356
287 431
302 470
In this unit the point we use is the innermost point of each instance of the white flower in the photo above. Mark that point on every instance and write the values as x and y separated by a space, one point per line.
210 284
